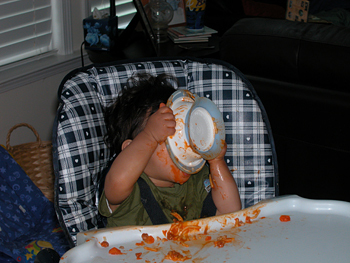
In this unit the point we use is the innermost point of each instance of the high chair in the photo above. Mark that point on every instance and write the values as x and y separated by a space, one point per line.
80 154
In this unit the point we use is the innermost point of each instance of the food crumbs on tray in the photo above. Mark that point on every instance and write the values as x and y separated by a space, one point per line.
222 240
176 256
284 218
179 231
151 249
147 238
104 244
247 220
138 255
238 223
183 231
115 251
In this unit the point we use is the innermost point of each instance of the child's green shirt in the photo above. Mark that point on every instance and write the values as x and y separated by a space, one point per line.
186 199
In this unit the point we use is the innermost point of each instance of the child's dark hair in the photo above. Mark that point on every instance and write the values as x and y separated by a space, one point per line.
127 116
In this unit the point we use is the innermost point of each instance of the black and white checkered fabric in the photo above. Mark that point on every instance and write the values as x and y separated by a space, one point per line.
80 153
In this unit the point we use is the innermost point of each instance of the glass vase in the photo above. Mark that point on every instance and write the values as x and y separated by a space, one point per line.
159 13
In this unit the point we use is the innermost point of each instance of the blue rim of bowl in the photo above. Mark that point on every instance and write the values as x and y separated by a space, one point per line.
219 140
185 168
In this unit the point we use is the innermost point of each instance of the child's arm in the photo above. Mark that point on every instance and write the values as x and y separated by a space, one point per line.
225 192
131 162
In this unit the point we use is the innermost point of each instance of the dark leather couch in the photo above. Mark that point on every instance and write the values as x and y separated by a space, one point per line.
301 73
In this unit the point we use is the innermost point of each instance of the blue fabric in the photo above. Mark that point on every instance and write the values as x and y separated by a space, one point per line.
27 218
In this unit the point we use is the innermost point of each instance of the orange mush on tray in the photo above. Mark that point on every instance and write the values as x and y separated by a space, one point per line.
147 238
185 234
115 251
284 218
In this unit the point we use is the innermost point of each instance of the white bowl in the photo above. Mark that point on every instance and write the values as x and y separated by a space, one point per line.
200 131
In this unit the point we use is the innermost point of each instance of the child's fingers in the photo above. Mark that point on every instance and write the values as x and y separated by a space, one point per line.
166 113
164 109
170 124
162 123
168 116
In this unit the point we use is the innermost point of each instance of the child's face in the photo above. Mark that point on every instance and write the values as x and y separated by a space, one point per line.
162 170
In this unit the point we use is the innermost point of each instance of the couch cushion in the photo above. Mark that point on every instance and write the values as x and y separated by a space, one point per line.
304 53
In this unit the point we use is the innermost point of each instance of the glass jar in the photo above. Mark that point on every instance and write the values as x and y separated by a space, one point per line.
159 13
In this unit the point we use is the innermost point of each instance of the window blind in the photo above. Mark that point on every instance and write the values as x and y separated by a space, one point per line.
25 29
124 10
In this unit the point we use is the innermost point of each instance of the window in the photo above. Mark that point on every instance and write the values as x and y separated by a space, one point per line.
32 29
25 29
124 9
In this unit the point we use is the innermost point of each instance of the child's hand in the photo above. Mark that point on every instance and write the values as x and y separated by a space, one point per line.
221 155
161 124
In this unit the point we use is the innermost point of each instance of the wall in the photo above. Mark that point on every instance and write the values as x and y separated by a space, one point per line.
36 103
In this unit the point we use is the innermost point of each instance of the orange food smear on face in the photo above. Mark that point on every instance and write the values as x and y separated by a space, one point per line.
115 251
104 244
179 176
147 239
284 218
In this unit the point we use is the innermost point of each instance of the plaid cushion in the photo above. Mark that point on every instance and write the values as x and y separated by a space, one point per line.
80 153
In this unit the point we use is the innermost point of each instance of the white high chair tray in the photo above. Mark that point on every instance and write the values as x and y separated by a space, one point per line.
318 231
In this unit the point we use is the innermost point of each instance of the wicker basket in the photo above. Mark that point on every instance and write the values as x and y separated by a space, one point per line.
35 158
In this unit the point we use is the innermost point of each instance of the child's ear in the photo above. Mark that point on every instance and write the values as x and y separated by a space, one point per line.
126 143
